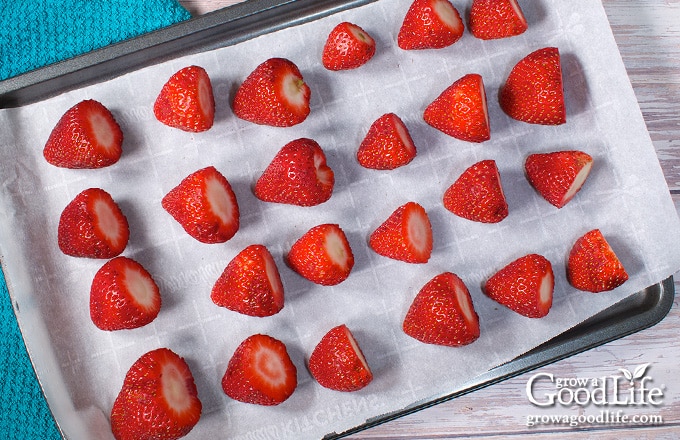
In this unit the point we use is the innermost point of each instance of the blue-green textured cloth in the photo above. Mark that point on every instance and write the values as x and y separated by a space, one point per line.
36 33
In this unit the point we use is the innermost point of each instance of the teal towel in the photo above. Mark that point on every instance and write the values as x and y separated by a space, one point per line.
36 33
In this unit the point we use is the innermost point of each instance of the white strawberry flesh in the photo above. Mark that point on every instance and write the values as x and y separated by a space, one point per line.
107 223
578 182
219 200
336 250
102 131
141 288
447 15
174 386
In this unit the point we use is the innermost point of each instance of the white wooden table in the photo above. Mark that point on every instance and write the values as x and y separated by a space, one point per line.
648 35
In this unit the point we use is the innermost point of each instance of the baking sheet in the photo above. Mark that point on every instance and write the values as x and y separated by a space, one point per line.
81 368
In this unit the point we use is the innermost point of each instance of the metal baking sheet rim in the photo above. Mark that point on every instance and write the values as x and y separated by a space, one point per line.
256 17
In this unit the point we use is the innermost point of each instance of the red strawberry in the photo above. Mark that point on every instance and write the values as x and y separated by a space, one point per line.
260 372
322 255
387 145
533 91
347 47
559 175
442 313
298 175
86 136
460 110
273 94
186 101
337 362
593 266
93 226
250 284
477 194
430 24
526 286
406 235
205 206
158 399
123 295
492 19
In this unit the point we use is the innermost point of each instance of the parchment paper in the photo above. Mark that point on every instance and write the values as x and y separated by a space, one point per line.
82 368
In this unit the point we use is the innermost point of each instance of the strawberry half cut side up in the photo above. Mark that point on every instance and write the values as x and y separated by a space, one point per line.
442 313
297 175
186 101
533 91
274 94
205 206
559 175
322 255
493 19
260 372
477 194
158 400
93 226
406 235
250 284
123 295
348 46
461 110
525 285
430 24
86 136
338 363
387 144
593 266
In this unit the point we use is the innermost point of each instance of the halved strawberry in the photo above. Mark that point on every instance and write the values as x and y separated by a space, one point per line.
273 94
158 399
338 363
348 46
260 372
186 101
93 226
461 111
559 175
298 175
123 295
533 92
492 19
477 194
525 285
205 206
322 255
442 313
406 235
593 265
250 284
86 136
430 24
387 145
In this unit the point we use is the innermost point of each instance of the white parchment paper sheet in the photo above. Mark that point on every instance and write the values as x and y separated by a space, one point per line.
83 368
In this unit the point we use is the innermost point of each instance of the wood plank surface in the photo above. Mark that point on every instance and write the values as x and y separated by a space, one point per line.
648 35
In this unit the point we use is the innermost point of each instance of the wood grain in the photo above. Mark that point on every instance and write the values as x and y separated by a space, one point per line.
648 35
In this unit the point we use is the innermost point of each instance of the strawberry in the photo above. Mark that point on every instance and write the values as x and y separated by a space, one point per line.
273 94
337 362
158 399
348 46
186 101
442 313
593 266
477 194
260 372
559 175
322 255
86 136
533 91
461 111
525 285
387 145
93 226
123 295
205 206
430 24
492 19
406 235
298 175
250 284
